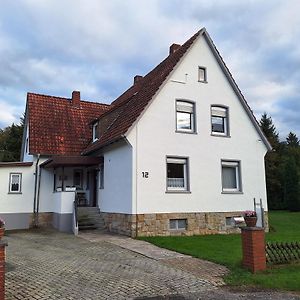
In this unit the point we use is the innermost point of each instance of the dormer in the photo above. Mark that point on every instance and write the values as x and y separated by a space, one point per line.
95 131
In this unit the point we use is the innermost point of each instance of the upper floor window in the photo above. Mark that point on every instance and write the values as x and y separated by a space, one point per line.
15 180
95 132
202 76
177 174
219 120
231 176
185 116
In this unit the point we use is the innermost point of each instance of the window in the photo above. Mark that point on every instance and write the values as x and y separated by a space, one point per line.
202 74
78 179
178 224
15 180
219 120
231 176
95 132
185 116
177 177
101 173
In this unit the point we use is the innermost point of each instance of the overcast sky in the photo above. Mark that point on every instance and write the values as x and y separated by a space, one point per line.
56 46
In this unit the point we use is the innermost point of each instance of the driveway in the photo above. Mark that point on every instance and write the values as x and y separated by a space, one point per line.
51 265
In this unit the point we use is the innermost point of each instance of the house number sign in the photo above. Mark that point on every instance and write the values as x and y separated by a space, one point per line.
145 174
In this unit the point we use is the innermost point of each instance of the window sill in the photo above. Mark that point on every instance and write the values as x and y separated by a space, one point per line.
177 192
177 230
203 81
14 193
220 135
232 192
188 132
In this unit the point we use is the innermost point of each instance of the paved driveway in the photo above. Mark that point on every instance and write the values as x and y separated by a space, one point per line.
52 265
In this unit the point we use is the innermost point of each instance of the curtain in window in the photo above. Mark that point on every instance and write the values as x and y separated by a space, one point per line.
15 182
229 178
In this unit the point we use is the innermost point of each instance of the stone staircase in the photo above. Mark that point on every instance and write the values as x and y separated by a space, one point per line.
89 218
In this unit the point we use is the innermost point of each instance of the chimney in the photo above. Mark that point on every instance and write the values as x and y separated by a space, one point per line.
76 98
174 48
137 79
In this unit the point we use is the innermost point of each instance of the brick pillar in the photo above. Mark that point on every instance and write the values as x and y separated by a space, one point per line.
2 270
253 244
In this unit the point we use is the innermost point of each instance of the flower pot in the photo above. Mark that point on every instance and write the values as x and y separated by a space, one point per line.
250 221
2 229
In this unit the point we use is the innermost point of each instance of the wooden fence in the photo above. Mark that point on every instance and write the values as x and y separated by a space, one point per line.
282 253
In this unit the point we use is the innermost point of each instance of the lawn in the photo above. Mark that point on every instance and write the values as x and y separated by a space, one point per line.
226 250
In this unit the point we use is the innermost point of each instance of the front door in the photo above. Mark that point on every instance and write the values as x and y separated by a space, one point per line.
93 188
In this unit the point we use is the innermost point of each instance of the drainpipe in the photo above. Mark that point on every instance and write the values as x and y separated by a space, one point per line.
38 197
35 189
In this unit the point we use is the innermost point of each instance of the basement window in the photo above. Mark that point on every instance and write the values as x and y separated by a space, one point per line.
178 224
15 180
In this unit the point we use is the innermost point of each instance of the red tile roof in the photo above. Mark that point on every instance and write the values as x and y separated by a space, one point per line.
58 127
128 107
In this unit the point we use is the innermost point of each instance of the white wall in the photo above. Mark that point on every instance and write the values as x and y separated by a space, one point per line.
63 202
17 203
154 138
26 156
117 193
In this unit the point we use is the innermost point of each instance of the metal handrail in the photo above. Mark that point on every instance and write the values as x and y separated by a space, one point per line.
75 215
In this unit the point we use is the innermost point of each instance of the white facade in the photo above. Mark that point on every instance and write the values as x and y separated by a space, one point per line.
154 137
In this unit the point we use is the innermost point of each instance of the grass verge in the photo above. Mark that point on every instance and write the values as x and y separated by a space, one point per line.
226 250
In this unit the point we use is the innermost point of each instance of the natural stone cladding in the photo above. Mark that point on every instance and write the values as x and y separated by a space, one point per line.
157 224
45 219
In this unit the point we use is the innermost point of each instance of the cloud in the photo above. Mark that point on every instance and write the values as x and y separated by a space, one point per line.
56 46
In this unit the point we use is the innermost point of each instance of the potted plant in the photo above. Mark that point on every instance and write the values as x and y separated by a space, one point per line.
2 229
250 218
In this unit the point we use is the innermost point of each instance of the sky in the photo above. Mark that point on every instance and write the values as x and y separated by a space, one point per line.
56 46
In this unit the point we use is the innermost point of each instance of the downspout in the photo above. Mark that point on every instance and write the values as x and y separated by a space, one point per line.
38 197
35 190
136 182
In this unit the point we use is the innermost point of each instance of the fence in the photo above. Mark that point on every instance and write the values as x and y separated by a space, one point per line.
280 253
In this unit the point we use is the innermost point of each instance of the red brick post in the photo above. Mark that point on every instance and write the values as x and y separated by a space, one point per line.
254 252
2 270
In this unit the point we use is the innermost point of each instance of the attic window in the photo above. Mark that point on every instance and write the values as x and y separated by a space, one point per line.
202 76
95 132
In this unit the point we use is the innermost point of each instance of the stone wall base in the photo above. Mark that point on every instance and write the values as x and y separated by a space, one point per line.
45 219
158 224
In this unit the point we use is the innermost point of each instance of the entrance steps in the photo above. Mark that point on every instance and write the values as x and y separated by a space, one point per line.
89 218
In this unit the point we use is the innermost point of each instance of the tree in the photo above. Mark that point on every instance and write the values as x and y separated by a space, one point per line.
272 164
291 185
292 140
11 141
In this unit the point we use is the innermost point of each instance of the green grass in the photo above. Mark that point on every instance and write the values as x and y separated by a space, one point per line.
226 250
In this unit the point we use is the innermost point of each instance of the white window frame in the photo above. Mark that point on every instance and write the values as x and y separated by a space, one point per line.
192 115
19 191
176 221
225 119
94 131
184 162
205 74
237 166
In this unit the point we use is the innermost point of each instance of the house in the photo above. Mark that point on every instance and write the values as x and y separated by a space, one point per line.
179 152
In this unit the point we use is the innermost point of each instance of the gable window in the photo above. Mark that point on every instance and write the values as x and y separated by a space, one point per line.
15 180
95 132
185 116
231 176
202 74
177 174
219 120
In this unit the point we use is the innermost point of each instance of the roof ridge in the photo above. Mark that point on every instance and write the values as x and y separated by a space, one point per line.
65 98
